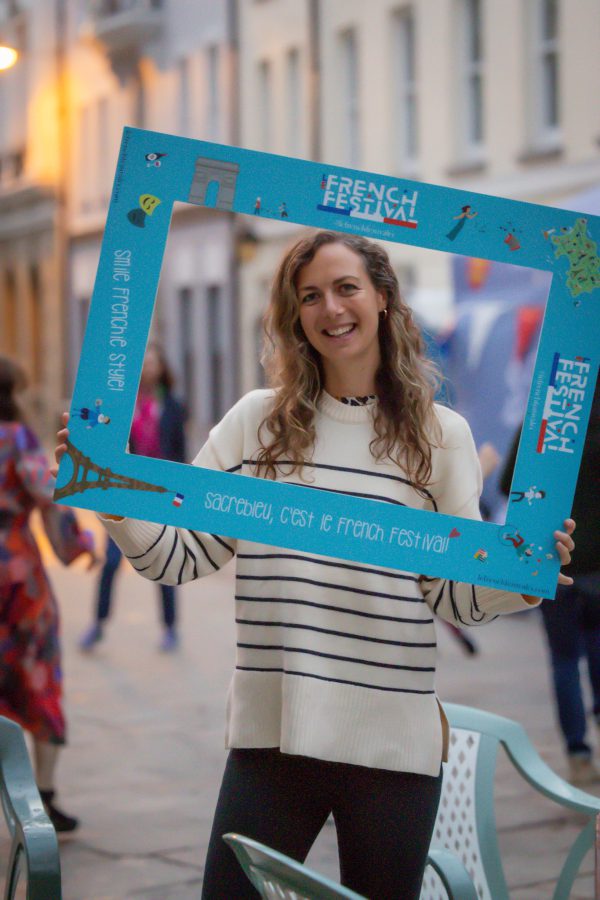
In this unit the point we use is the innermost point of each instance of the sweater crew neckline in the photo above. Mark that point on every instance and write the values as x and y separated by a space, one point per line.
343 412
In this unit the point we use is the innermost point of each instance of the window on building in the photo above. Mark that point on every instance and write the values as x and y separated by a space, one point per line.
105 158
544 100
12 166
265 104
83 307
10 312
184 104
350 104
259 333
139 101
470 87
18 162
405 88
293 102
213 111
86 158
36 323
214 304
188 355
16 82
114 7
407 279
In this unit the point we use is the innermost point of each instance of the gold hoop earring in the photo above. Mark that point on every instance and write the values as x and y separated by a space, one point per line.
383 314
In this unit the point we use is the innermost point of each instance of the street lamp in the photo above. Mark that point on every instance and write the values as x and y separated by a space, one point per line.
8 57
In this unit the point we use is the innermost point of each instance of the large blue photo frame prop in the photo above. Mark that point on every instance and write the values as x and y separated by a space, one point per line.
156 170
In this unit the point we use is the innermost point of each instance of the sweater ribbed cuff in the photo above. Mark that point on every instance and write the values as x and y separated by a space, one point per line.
132 535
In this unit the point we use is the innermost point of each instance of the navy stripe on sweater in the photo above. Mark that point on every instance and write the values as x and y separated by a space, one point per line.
337 565
340 609
375 687
313 465
330 586
350 659
343 634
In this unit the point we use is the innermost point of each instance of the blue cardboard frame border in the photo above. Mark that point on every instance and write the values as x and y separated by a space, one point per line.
155 170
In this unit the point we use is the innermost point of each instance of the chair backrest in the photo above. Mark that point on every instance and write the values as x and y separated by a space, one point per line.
33 853
466 822
277 877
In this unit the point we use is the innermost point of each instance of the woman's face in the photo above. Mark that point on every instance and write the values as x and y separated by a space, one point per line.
339 310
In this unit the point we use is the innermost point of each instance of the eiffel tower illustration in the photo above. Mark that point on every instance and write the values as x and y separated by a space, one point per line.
79 482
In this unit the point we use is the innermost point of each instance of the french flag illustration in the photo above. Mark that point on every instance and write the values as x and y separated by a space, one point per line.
178 500
547 404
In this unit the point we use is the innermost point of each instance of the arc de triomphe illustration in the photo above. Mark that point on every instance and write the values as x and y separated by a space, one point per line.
208 170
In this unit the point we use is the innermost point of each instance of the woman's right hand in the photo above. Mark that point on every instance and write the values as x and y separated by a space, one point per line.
59 452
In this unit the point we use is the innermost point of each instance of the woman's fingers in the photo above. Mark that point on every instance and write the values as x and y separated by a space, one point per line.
565 579
565 546
59 452
61 448
564 541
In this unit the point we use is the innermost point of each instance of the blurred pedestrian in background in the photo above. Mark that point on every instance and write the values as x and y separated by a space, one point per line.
572 618
157 430
30 670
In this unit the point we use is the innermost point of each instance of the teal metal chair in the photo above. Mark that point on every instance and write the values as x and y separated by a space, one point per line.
277 877
466 822
33 857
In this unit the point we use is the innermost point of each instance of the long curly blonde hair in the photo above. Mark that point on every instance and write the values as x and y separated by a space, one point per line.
405 382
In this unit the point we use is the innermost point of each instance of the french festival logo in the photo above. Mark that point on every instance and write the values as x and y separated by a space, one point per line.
373 201
565 395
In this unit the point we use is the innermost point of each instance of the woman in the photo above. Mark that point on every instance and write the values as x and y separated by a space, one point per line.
157 430
332 707
30 674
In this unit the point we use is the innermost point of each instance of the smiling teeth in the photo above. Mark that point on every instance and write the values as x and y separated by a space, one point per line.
345 329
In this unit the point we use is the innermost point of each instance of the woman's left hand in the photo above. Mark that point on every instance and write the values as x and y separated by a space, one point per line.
565 546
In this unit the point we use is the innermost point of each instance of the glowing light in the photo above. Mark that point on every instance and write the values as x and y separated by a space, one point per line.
8 57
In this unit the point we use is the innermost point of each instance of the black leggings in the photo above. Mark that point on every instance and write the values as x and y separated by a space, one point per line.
384 821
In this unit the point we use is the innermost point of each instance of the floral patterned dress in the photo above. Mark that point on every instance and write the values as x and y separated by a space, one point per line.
30 663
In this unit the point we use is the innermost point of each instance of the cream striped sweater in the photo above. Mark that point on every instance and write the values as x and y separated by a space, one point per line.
335 660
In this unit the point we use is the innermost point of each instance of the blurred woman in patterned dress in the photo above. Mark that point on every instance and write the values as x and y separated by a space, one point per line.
30 659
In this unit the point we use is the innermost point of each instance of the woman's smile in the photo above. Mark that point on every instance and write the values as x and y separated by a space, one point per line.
340 331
